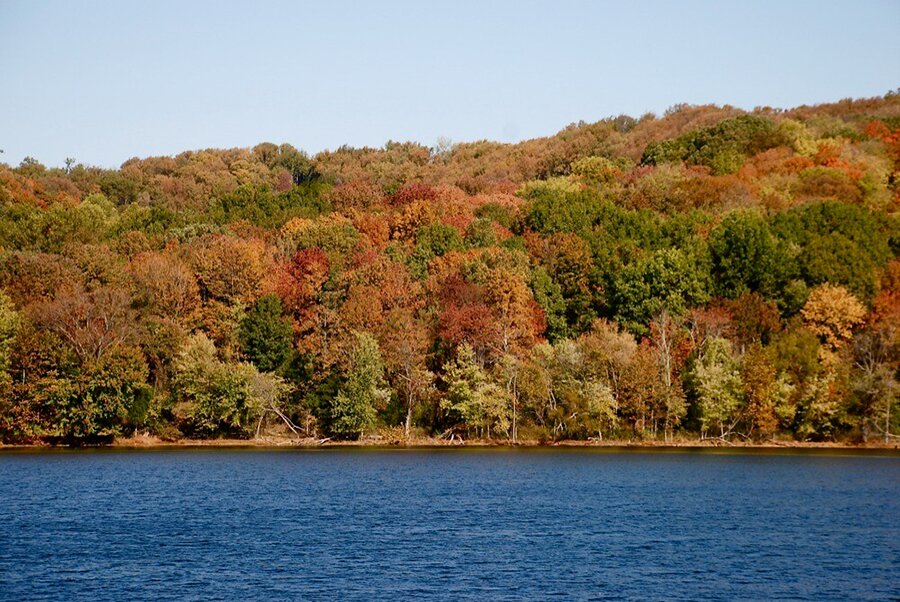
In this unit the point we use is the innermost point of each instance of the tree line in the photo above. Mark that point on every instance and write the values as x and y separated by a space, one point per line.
708 273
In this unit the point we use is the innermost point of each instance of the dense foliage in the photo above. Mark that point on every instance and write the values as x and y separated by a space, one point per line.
710 273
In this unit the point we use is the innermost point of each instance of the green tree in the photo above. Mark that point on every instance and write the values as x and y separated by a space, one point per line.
870 231
480 233
596 171
9 326
433 240
717 384
554 211
103 398
837 242
548 294
353 409
567 259
265 335
820 413
796 352
723 146
835 259
565 394
745 256
669 279
215 397
473 397
296 162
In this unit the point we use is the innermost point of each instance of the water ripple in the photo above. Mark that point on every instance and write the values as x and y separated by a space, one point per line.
482 525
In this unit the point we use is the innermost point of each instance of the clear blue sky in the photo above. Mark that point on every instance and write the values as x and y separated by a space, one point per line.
105 81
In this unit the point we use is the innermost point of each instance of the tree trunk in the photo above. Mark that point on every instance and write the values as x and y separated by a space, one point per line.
409 411
887 417
515 433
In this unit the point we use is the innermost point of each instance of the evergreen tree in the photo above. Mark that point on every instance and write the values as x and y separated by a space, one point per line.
265 335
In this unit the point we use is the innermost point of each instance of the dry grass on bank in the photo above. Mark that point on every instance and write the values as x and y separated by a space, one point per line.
395 438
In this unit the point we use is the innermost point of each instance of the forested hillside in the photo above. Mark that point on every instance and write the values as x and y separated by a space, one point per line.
707 273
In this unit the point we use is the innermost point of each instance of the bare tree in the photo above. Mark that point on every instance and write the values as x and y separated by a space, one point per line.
876 356
92 323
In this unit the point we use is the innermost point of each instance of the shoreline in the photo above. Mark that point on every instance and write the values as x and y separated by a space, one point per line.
150 443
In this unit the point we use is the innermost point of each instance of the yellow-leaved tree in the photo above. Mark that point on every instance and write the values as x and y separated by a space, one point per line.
832 312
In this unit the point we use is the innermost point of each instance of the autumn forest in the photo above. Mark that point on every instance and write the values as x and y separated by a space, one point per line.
710 273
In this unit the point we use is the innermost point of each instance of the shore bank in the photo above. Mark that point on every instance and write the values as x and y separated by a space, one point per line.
152 442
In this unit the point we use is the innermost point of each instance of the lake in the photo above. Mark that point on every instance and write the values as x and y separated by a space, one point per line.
456 524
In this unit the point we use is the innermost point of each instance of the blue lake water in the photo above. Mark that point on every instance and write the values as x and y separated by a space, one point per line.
447 524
